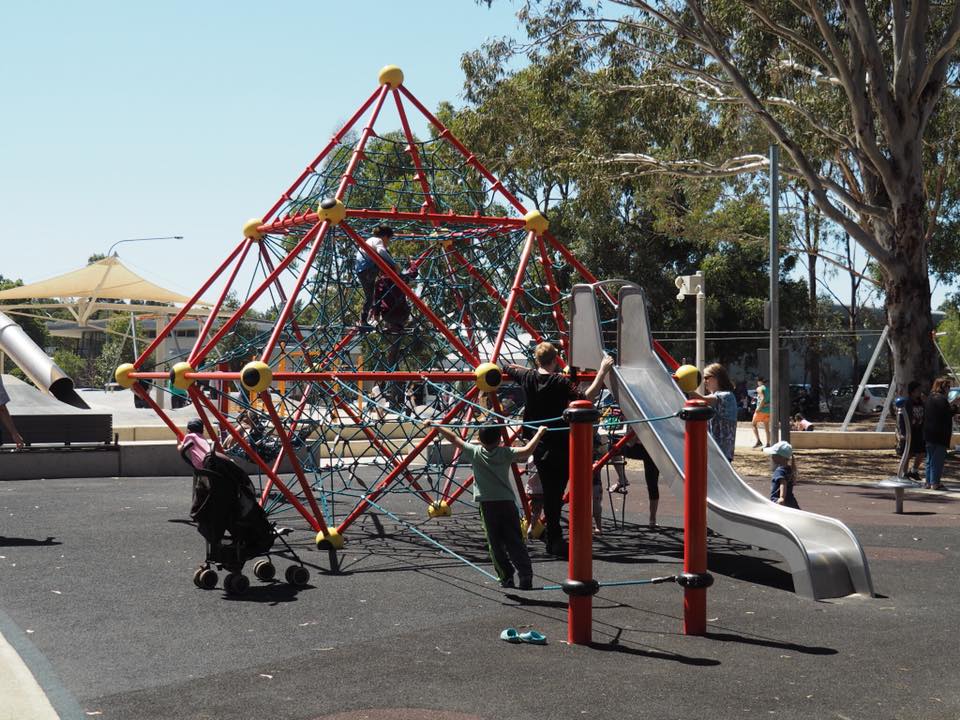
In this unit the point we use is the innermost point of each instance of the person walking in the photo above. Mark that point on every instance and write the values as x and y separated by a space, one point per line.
938 414
762 414
6 420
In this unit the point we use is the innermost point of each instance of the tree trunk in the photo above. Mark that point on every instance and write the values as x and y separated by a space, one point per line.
907 288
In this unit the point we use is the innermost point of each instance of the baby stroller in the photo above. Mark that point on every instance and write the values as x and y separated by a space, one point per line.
225 503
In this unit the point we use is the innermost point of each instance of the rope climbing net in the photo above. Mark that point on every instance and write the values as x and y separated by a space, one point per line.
334 411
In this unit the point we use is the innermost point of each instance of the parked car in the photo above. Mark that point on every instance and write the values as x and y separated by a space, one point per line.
872 400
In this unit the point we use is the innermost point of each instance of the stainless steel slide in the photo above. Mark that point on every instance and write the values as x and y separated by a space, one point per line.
36 364
823 554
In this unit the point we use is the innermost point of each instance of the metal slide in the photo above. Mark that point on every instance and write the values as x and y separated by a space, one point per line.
36 364
823 554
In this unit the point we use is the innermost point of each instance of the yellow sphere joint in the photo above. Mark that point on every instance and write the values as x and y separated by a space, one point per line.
687 377
391 75
256 376
536 222
122 375
251 229
438 509
331 538
178 376
538 529
331 210
489 376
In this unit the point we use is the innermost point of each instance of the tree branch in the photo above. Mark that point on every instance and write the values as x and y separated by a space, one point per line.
817 188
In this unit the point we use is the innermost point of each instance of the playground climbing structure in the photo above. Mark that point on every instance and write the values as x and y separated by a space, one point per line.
343 404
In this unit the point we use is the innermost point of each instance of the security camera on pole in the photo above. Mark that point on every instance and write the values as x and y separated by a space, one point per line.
695 285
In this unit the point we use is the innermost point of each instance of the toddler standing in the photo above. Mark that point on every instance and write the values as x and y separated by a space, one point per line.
784 474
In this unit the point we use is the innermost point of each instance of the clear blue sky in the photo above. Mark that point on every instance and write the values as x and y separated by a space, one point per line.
132 119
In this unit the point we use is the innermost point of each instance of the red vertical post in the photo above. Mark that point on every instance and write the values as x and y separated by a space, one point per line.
580 586
695 579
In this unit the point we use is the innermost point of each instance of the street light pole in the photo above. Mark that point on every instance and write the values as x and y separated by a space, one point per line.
161 350
143 239
695 285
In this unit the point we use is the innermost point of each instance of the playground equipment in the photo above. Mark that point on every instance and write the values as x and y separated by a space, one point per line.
900 482
824 556
485 281
36 364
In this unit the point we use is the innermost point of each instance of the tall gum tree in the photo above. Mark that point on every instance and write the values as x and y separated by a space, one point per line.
852 82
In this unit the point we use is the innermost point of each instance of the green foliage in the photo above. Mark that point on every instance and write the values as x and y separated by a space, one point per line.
950 326
116 350
35 328
71 363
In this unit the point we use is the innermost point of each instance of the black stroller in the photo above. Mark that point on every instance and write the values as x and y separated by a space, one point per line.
225 502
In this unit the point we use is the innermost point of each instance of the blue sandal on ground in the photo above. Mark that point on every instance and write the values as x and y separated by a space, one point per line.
533 637
510 635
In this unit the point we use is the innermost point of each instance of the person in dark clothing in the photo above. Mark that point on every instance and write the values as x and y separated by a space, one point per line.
938 414
651 474
912 416
548 392
367 270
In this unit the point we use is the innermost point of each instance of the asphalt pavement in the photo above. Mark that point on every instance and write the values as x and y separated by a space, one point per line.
97 599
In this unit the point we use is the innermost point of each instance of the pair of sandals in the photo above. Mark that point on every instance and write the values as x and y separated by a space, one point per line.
532 637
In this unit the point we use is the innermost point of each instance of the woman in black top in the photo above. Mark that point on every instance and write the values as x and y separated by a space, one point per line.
938 414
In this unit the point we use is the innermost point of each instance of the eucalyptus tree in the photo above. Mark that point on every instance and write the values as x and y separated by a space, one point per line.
852 91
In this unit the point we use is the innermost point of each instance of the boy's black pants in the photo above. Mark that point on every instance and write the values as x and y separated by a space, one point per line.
507 549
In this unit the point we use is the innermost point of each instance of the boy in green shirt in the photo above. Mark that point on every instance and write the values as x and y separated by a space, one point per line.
491 463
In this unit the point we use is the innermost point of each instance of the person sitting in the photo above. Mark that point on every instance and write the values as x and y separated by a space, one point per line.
799 423
194 447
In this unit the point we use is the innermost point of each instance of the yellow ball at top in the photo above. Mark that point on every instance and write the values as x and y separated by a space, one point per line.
391 75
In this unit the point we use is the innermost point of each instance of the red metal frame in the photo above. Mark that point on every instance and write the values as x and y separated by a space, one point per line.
580 607
319 365
695 520
515 291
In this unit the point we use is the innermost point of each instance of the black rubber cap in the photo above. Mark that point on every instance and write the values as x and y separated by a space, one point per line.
697 413
695 580
576 588
328 203
250 377
493 377
581 415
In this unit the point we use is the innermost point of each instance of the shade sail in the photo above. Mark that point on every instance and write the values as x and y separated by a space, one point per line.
108 278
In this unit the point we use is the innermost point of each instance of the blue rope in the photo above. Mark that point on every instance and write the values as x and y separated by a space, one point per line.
621 583
431 540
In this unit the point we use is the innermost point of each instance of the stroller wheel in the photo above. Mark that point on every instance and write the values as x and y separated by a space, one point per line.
265 570
205 578
236 584
297 575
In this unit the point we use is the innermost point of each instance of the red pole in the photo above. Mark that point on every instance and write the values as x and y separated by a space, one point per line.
695 578
580 586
